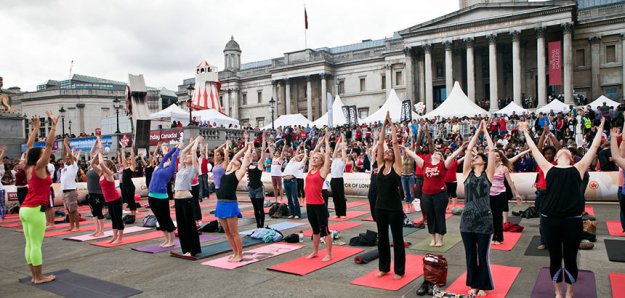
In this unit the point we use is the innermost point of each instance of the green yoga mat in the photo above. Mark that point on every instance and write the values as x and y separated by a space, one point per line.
406 231
450 241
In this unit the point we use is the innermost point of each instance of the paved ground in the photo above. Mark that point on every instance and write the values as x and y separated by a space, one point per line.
160 275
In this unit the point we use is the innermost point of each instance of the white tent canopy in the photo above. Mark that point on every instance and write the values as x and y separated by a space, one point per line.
599 102
392 105
338 118
510 108
457 104
555 105
214 116
172 112
289 120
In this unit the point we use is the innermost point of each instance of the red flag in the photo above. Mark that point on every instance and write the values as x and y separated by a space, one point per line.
305 19
555 63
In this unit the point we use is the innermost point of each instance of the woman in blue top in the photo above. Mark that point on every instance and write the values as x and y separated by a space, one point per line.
158 197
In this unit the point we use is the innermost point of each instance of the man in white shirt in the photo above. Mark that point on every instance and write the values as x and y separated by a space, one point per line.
68 186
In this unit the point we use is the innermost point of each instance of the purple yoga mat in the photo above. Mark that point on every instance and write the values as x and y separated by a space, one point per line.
155 248
584 287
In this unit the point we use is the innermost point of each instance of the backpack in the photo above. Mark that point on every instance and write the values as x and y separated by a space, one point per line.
530 212
279 210
210 227
293 238
370 238
149 221
128 219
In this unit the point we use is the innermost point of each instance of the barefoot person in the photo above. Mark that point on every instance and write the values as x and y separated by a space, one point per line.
68 186
498 199
562 207
96 199
255 186
126 185
337 184
183 199
388 206
276 171
316 207
38 199
158 197
227 209
476 222
106 169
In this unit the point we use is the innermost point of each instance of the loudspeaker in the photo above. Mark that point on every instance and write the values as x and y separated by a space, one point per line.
142 134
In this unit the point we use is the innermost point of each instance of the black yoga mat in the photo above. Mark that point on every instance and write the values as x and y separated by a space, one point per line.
215 249
615 250
366 257
532 248
70 284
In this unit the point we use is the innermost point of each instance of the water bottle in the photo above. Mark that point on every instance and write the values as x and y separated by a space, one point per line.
301 236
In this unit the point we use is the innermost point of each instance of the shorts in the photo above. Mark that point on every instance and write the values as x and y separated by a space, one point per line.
256 193
227 210
70 200
451 189
318 219
96 202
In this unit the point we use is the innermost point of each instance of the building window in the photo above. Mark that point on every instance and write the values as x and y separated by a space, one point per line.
383 82
580 58
260 121
611 92
610 53
245 122
363 113
362 84
341 87
260 96
398 78
243 99
221 100
42 128
440 70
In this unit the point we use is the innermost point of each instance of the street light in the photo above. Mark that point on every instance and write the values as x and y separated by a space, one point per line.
62 114
70 127
117 106
271 103
190 90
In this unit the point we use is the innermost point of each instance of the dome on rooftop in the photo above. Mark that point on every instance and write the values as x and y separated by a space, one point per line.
232 45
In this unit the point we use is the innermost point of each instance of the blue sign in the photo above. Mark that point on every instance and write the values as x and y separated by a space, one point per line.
85 144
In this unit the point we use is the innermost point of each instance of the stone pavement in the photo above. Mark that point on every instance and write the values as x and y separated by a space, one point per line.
159 275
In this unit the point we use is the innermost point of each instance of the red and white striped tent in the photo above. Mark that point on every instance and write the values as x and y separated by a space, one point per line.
207 85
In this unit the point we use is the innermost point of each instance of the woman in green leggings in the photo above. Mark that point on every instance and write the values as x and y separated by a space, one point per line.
32 211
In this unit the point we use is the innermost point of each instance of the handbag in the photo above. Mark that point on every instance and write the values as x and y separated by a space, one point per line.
435 269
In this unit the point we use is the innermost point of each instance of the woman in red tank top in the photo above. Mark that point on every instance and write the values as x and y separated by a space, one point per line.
315 205
32 210
105 169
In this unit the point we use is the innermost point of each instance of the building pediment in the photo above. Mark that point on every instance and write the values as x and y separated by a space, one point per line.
488 12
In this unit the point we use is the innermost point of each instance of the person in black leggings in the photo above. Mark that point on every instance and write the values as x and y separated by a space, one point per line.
255 186
562 207
373 188
126 185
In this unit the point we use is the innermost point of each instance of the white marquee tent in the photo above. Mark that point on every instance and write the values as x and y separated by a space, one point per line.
512 107
289 120
392 105
214 116
338 118
173 112
555 105
457 104
599 102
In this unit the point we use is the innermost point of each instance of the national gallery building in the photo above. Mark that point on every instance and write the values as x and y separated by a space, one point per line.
494 49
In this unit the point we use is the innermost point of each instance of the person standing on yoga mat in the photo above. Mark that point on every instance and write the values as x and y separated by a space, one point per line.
337 184
316 207
227 210
435 198
106 169
222 158
68 186
476 222
388 206
618 156
126 185
290 184
32 210
158 197
372 195
276 171
255 186
498 199
425 152
96 199
184 201
562 208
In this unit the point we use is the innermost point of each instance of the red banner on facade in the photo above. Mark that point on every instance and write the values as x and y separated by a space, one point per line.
165 136
555 63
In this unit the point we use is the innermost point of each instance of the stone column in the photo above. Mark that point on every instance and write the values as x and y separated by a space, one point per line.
492 71
287 95
542 66
274 95
227 103
429 97
324 98
470 69
309 114
595 64
280 102
421 70
235 103
568 62
449 68
81 116
623 63
516 67
409 56
389 79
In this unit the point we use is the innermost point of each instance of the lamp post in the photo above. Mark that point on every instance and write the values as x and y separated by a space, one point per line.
70 127
271 103
62 114
190 90
117 106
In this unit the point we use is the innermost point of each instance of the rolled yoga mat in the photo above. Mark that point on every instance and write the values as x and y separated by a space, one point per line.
70 284
365 258
615 250
585 286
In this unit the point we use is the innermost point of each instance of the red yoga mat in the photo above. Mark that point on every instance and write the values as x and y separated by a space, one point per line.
503 278
510 240
352 204
414 269
614 228
66 232
350 215
131 239
339 226
367 219
590 210
617 280
302 265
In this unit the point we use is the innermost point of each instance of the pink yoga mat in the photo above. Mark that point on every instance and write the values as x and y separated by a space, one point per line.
590 210
254 255
414 269
510 240
109 233
62 232
131 239
350 215
614 228
617 280
352 204
303 265
503 278
339 226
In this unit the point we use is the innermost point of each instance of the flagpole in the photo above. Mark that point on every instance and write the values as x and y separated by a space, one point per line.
305 28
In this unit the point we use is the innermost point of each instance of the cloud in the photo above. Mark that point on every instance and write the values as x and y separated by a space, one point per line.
164 40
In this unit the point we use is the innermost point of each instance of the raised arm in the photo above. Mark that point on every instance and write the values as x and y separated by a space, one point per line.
616 154
541 140
554 141
263 148
33 134
516 157
380 147
133 161
226 154
590 155
468 155
397 165
107 172
544 165
344 149
45 155
92 152
325 170
193 152
247 158
450 159
95 163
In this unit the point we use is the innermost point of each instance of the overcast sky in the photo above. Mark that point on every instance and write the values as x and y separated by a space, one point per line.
164 40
